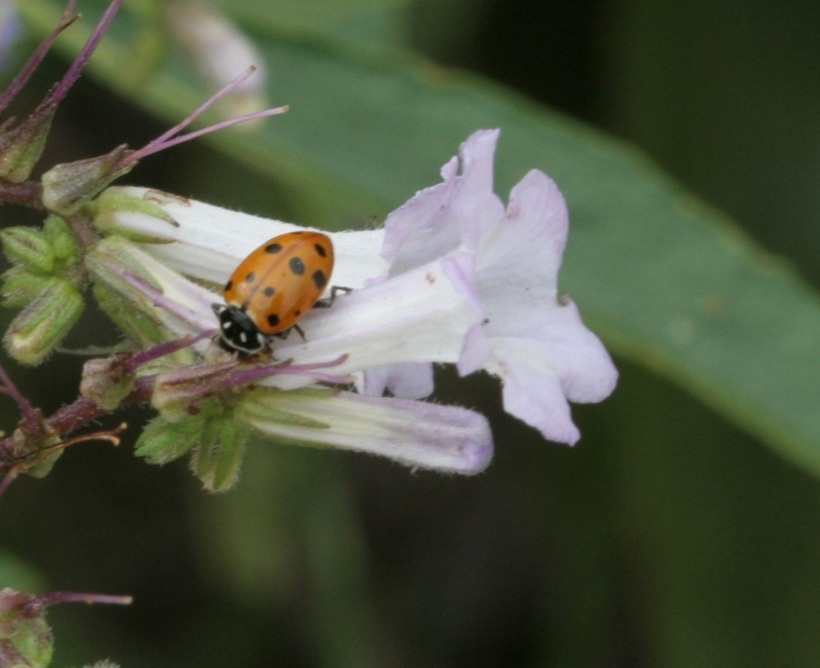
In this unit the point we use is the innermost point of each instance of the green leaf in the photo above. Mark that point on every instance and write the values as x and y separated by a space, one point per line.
665 279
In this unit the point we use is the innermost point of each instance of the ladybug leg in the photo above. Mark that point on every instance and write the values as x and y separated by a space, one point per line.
269 347
286 333
301 333
327 302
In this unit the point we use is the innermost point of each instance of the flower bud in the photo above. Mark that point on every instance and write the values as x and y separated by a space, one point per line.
106 382
67 187
162 441
25 637
63 243
115 201
177 393
143 331
29 247
151 303
129 308
218 458
35 454
39 327
20 148
20 287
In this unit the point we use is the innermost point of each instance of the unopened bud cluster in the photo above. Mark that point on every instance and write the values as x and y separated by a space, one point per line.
45 280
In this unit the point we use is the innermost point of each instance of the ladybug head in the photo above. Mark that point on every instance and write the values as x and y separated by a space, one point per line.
238 333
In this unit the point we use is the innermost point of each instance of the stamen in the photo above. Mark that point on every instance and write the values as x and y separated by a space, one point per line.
170 138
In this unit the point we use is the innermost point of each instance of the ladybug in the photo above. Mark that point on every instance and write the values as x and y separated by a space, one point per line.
272 289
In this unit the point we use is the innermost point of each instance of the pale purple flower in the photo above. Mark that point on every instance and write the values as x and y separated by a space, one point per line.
460 279
505 263
415 433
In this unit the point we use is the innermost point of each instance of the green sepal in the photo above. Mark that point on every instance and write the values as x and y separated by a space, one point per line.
131 310
36 457
43 467
23 630
63 243
115 201
48 252
20 287
175 391
106 381
162 442
41 325
28 246
21 148
69 186
143 331
260 405
217 460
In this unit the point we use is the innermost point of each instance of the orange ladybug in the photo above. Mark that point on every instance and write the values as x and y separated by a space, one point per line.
272 289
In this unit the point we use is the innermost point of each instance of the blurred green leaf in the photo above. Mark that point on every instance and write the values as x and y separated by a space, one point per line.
17 574
367 21
665 279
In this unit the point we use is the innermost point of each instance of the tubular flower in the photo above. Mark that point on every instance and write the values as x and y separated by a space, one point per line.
453 277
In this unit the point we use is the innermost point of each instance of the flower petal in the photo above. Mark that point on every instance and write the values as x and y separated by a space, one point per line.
212 241
412 380
416 317
439 219
518 259
414 433
536 397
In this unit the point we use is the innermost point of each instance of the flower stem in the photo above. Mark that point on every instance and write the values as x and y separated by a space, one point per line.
37 603
31 416
24 194
84 56
36 58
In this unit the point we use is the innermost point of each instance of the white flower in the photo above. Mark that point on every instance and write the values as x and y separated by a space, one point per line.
506 264
415 433
460 279
209 241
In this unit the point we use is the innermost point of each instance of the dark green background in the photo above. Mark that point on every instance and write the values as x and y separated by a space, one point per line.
667 537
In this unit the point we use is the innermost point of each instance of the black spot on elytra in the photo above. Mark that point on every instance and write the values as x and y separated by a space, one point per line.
320 250
273 320
250 278
273 249
228 285
319 279
297 312
297 266
269 291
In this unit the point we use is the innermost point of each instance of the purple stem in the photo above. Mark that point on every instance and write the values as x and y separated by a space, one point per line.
30 415
248 375
173 138
45 600
163 349
36 58
5 483
24 194
84 56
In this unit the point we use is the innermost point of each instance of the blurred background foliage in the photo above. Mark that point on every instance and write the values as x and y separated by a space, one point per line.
670 536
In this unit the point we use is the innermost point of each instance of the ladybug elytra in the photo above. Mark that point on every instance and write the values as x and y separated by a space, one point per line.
272 289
